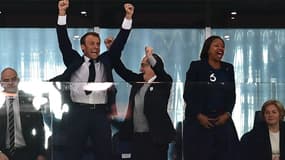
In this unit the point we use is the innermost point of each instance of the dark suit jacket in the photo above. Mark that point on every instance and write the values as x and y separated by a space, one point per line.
73 60
30 119
199 91
155 104
196 89
256 143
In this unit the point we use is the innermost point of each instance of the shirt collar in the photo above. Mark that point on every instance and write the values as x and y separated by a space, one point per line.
11 95
86 59
152 79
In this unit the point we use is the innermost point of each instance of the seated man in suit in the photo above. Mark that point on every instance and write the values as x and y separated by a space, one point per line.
21 126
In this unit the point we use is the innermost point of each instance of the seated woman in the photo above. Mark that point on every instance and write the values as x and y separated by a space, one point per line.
266 140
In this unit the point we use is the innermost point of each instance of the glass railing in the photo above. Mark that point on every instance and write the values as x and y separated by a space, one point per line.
52 102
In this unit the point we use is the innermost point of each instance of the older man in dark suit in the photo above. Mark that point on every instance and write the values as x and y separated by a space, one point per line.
147 122
88 110
21 125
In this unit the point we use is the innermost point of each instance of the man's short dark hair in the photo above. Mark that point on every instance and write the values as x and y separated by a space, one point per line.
82 39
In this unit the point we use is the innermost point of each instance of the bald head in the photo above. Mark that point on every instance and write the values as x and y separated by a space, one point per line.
9 70
9 80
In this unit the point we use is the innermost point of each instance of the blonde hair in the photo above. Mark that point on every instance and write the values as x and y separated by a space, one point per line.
277 104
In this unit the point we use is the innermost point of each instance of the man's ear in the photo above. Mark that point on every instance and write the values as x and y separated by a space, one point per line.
82 47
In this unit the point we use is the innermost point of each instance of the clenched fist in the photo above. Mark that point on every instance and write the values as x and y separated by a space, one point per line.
148 51
108 42
129 8
62 7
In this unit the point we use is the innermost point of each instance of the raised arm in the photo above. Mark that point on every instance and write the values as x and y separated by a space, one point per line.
65 46
118 44
129 8
157 65
62 7
126 74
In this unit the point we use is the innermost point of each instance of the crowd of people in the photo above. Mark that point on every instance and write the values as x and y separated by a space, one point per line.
209 93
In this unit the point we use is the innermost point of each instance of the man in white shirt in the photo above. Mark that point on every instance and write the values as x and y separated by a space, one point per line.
88 109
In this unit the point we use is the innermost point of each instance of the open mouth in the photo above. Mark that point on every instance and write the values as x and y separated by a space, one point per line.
220 54
94 52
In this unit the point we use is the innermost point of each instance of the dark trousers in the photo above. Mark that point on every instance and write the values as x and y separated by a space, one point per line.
83 122
22 154
218 143
145 149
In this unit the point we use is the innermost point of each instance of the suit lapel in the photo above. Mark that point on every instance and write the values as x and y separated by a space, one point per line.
3 116
136 87
282 140
66 76
26 111
103 58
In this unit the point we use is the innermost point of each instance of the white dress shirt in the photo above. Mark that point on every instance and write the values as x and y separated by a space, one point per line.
19 138
79 78
275 143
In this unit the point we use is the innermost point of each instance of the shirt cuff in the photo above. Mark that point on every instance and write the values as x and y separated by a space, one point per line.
127 24
61 20
151 61
229 114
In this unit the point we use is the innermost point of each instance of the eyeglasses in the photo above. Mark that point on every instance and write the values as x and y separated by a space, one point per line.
144 65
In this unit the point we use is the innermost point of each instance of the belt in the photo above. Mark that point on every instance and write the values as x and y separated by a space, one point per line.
89 106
